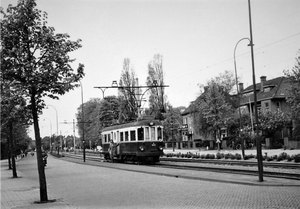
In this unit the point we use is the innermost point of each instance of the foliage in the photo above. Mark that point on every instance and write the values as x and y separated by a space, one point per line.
89 119
129 96
109 111
293 79
270 122
37 60
172 123
214 108
158 98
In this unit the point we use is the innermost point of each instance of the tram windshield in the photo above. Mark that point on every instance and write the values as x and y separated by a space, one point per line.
140 134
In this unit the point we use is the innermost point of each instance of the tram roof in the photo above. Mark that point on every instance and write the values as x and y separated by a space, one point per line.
133 124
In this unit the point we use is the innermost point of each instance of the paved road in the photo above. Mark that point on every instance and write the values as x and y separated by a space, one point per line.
85 186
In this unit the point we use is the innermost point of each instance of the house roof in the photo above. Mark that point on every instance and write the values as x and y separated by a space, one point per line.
276 88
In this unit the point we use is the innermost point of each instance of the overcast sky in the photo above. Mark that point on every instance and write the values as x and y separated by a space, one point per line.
195 38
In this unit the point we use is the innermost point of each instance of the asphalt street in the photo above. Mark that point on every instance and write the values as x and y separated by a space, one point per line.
86 186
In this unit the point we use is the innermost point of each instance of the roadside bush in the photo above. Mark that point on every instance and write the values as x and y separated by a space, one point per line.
232 157
279 158
202 156
227 156
207 156
218 156
246 157
289 158
283 156
212 156
269 159
238 156
297 158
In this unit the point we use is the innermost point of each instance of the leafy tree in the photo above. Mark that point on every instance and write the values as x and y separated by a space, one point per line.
128 93
37 60
271 122
215 108
15 120
91 120
293 78
172 124
158 98
109 112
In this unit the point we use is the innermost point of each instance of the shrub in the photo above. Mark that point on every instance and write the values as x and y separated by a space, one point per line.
269 158
212 156
289 158
280 158
202 156
246 157
207 156
232 157
227 156
297 158
283 155
238 156
218 156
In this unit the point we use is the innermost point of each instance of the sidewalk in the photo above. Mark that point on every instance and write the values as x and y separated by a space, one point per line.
22 192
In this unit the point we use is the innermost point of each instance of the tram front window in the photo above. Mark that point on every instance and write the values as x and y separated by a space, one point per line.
140 134
152 133
147 137
159 133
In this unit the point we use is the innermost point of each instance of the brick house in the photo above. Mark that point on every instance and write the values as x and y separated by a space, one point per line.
271 96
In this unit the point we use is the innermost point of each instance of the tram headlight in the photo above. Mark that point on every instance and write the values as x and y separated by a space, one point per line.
142 148
160 148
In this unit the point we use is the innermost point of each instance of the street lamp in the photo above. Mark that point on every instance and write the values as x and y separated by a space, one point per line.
239 96
82 121
258 142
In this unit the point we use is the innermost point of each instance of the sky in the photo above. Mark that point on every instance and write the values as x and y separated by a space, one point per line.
195 37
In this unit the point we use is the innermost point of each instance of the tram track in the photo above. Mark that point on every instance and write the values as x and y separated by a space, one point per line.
276 170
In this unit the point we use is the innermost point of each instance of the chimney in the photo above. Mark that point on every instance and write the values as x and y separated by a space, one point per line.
263 79
241 87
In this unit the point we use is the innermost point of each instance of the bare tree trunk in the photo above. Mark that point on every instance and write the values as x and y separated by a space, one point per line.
41 168
9 154
14 169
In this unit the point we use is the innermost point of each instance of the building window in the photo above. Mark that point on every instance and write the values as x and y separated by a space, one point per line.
267 106
278 106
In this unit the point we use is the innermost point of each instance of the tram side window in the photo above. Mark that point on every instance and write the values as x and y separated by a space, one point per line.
159 133
152 133
105 138
132 135
121 136
140 134
108 137
126 135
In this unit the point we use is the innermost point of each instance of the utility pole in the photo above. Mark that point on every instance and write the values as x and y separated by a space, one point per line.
258 142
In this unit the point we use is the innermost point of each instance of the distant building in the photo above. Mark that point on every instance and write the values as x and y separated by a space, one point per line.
271 96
